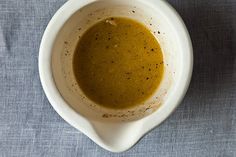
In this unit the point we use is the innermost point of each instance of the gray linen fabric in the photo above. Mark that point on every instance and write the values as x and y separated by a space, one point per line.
203 125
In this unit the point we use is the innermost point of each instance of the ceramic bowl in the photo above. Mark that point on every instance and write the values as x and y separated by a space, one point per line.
114 130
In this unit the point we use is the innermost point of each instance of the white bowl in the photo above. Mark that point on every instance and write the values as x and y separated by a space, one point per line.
114 130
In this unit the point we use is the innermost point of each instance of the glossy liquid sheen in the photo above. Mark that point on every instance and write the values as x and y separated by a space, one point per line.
118 63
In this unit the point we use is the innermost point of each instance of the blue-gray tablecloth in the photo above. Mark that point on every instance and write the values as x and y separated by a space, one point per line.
203 125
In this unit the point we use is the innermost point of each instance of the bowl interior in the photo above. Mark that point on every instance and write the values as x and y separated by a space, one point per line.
69 35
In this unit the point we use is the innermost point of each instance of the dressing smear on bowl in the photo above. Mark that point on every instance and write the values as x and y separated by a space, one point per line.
118 63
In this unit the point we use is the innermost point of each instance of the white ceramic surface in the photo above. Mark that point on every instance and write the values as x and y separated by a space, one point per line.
113 130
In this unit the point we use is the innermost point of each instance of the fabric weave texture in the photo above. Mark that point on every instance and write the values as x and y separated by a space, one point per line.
203 125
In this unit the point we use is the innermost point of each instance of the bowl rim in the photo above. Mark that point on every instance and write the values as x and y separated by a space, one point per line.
74 118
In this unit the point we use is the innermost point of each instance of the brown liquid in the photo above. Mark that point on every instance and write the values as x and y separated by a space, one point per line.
118 63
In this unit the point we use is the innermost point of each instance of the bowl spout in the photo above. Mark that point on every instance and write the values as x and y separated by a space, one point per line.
118 137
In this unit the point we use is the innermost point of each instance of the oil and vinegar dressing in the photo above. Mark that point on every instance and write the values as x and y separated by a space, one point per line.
118 63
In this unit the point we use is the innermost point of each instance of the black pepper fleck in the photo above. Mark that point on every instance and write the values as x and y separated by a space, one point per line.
105 116
133 11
